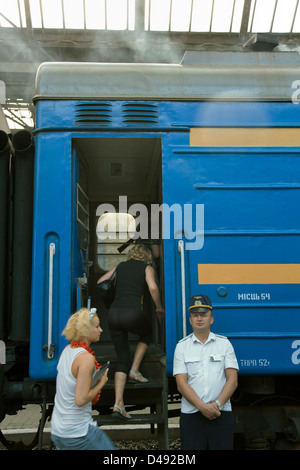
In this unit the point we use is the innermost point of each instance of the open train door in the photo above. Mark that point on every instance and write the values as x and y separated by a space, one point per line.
117 180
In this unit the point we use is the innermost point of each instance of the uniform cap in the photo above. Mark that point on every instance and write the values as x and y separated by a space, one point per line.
200 303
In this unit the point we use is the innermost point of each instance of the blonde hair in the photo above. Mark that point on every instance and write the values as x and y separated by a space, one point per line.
140 252
79 325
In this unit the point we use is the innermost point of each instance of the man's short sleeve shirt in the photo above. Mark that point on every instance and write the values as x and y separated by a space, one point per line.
205 365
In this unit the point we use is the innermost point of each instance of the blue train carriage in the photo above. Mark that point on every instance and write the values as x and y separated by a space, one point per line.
213 143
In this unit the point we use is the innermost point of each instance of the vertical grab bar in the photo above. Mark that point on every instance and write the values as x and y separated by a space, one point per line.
50 348
181 251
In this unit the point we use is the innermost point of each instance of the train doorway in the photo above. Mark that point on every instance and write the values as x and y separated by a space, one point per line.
117 175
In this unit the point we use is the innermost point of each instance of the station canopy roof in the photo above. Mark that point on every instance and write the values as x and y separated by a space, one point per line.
157 31
215 16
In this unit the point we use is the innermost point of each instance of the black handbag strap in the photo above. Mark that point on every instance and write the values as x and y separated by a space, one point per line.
115 272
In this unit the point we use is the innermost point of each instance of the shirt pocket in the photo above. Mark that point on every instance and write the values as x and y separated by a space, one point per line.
193 367
217 364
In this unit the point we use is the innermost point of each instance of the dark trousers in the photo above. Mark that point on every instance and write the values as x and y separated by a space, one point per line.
122 321
199 433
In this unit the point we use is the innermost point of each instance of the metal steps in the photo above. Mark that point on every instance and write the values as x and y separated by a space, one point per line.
151 395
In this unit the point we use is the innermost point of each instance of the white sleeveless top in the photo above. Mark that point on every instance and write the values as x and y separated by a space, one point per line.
69 420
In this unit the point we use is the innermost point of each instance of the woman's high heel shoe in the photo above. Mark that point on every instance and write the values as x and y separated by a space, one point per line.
122 413
135 378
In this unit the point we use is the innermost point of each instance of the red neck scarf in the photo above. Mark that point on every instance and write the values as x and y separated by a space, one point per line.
82 344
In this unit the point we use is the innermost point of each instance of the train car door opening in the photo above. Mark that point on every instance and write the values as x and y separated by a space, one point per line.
121 176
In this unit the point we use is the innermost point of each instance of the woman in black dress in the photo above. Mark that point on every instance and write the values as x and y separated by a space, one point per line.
126 315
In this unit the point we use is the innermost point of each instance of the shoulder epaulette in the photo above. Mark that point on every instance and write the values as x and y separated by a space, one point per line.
185 338
220 336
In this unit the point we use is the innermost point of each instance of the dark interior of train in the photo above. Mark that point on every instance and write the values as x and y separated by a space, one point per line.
116 171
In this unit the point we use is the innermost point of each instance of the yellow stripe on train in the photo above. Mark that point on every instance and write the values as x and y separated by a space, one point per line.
248 273
244 137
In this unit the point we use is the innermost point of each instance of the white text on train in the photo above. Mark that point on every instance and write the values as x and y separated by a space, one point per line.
254 296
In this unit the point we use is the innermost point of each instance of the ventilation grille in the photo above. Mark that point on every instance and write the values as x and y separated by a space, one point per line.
139 114
93 114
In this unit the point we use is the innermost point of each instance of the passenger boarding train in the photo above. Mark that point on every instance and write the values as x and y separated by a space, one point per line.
214 145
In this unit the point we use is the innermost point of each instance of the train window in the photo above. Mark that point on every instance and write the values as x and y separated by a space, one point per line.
82 217
113 231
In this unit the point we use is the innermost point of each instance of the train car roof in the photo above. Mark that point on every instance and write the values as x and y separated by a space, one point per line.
240 76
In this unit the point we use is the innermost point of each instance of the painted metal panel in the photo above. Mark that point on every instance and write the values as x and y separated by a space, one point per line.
52 226
249 262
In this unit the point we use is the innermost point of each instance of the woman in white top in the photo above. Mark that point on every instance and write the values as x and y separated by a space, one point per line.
72 425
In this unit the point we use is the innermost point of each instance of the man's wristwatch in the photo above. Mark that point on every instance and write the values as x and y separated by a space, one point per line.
220 406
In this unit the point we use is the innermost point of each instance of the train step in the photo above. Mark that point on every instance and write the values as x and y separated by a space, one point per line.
136 419
136 386
136 394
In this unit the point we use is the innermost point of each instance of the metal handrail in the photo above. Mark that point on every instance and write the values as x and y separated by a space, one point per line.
50 348
181 251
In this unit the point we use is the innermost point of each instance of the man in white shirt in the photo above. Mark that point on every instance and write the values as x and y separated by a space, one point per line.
205 367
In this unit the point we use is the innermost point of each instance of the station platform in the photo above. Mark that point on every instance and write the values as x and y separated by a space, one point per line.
23 427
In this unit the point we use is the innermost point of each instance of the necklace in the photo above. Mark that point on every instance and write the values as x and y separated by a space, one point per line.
83 344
